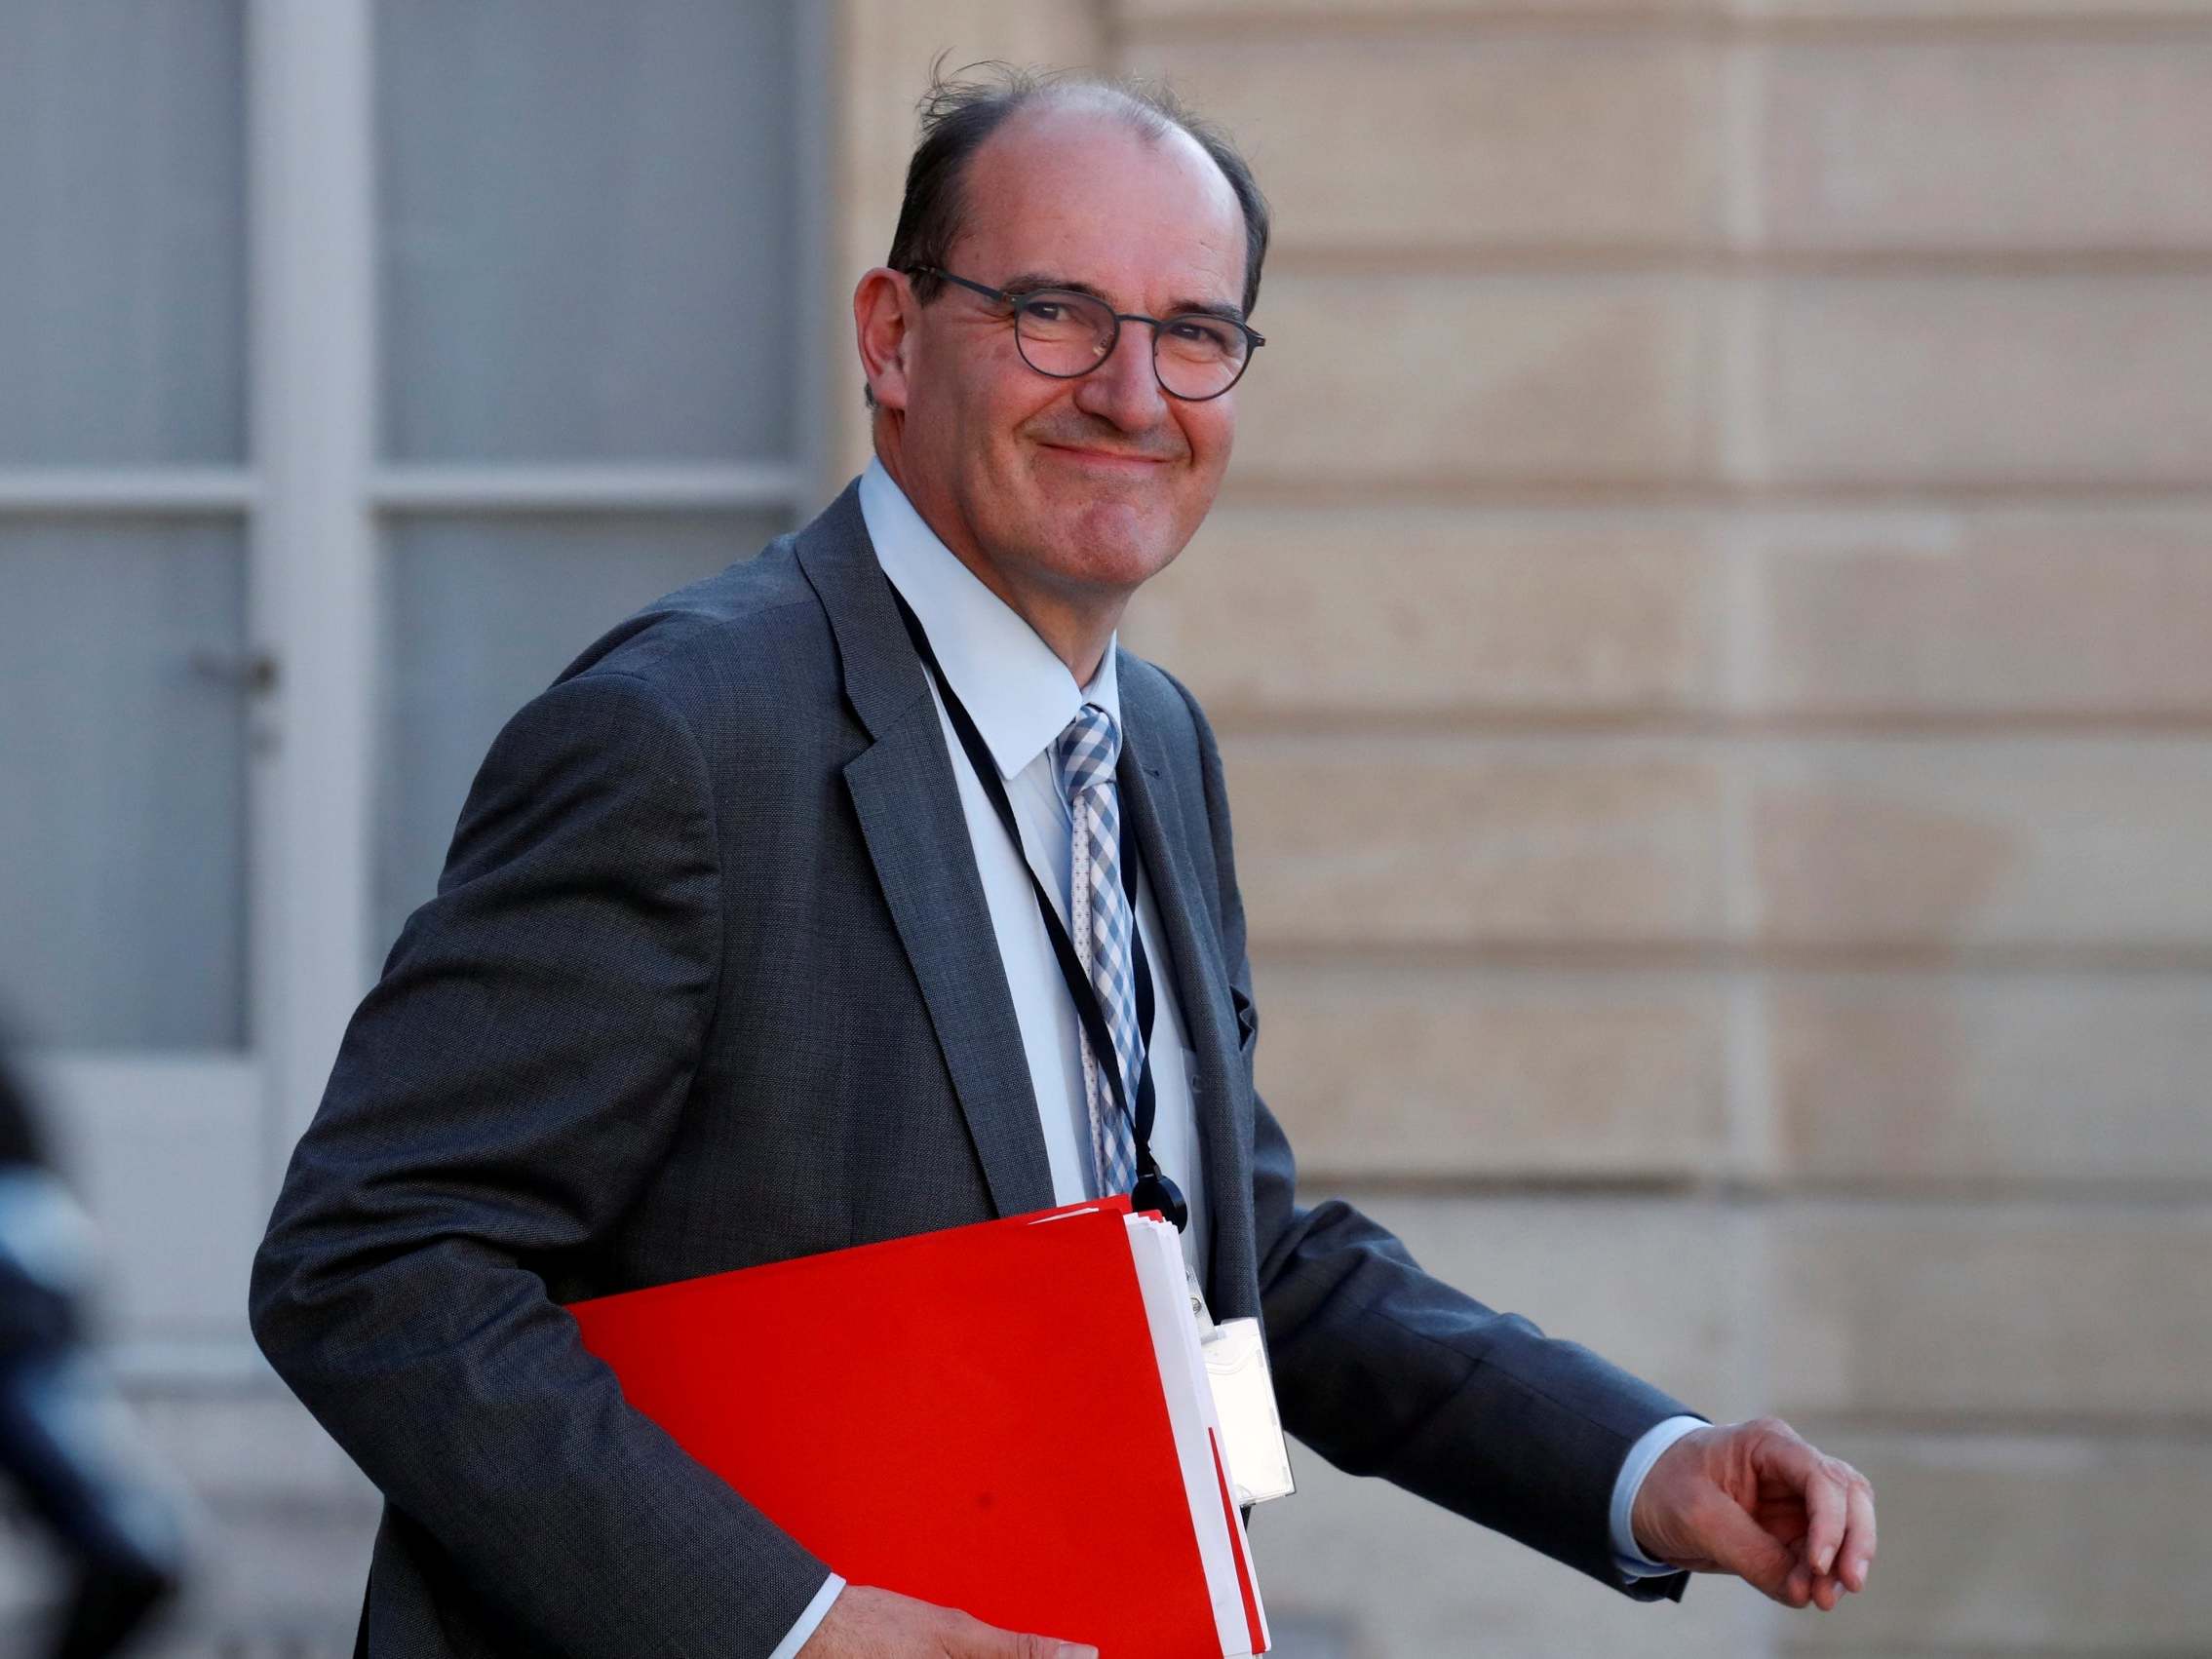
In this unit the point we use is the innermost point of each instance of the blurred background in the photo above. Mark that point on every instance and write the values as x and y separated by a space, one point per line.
1710 625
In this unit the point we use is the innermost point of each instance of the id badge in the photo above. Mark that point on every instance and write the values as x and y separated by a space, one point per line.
1244 1400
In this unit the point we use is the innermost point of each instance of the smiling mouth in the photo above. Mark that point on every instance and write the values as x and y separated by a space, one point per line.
1107 457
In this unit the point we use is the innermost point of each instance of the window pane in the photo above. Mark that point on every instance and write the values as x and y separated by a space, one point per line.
588 229
122 784
123 194
482 616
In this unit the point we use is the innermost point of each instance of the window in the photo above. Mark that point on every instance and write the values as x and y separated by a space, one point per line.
366 359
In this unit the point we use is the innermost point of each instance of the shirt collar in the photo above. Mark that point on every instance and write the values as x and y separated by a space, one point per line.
1018 693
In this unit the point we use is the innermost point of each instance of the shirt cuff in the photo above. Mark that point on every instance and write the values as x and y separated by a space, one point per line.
1628 1561
817 1610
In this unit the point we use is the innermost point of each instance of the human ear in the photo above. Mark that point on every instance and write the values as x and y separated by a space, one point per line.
882 324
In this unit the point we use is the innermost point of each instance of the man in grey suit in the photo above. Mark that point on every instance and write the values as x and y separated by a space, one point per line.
733 960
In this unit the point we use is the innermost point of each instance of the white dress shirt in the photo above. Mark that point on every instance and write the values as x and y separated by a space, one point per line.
1021 697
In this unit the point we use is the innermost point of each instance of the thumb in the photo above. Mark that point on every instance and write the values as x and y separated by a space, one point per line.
1735 1543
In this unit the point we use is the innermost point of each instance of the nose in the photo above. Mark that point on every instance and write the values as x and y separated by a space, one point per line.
1123 388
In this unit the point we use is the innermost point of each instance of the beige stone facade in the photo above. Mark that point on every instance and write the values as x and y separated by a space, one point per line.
1711 627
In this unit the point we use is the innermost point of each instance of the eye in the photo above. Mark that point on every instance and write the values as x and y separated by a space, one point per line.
1204 332
1044 310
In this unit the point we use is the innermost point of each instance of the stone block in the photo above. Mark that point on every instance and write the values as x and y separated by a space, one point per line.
1445 380
1389 610
1434 841
2000 1545
1984 1313
1453 140
1938 1080
1409 1578
2053 380
1435 1073
2073 610
1139 16
2044 842
1986 142
1973 10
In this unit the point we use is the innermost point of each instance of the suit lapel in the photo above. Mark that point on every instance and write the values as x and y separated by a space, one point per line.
1201 983
908 806
918 839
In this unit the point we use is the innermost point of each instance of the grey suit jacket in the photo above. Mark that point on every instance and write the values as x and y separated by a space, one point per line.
710 981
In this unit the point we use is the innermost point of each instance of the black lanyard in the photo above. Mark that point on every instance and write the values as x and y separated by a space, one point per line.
1153 1190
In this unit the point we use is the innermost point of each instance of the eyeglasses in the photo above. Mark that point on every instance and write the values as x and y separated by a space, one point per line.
1063 334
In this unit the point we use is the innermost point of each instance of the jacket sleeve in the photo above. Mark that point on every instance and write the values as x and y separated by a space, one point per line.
499 1098
1384 1369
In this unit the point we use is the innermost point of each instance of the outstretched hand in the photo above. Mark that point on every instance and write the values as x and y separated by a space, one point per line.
1753 1499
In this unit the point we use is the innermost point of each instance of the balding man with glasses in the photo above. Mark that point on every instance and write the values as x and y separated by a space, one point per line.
870 888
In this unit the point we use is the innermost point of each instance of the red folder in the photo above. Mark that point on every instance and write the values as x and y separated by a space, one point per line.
993 1417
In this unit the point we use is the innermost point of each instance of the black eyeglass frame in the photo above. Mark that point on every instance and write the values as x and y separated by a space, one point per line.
1015 302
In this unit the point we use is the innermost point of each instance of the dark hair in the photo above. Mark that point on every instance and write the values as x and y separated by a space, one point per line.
958 114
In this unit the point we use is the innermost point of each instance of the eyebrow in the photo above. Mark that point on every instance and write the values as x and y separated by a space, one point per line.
1028 281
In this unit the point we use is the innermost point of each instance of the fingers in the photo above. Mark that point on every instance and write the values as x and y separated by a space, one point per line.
1048 1647
1854 1557
1739 1544
1813 1478
1826 1508
1837 1551
1838 1541
991 1643
865 1622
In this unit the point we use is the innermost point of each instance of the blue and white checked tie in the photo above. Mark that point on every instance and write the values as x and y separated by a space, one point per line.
1103 929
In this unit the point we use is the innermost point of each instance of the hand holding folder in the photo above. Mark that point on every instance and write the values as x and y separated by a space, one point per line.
1011 1418
869 1622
